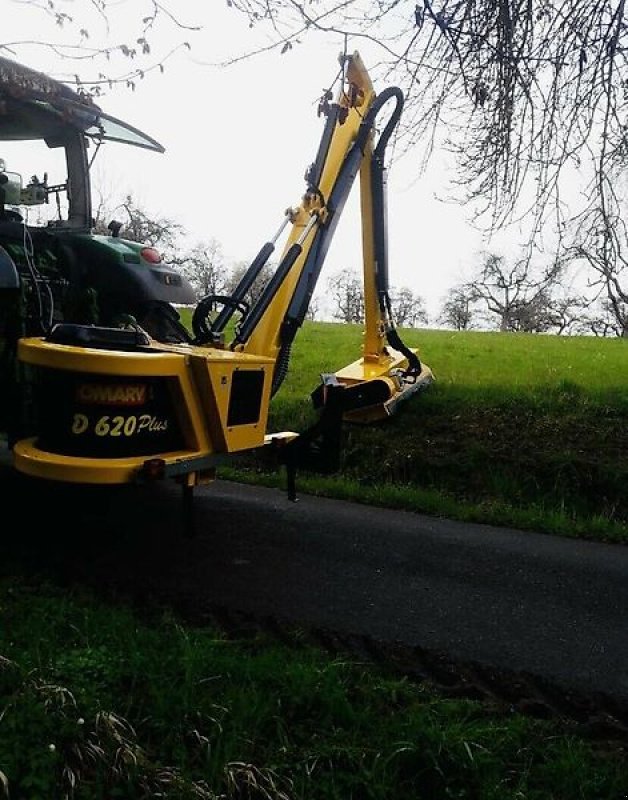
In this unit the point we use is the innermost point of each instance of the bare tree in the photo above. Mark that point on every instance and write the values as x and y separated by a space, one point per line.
255 291
457 307
515 294
137 224
601 241
347 295
527 94
534 314
407 308
605 319
204 267
568 311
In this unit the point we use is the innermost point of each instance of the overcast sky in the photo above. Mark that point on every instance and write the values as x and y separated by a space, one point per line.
238 140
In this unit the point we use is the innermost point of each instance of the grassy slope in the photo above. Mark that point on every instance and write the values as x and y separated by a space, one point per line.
520 429
96 703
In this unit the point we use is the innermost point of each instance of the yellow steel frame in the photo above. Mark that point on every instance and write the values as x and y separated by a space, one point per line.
200 378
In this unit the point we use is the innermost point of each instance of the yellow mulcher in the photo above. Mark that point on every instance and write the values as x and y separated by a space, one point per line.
132 395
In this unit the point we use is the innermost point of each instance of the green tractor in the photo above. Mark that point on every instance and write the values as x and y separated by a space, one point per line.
54 268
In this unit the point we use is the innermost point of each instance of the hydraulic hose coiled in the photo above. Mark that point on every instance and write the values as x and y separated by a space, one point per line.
281 368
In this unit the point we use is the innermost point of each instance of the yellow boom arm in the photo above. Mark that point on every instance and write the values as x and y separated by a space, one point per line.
115 405
347 148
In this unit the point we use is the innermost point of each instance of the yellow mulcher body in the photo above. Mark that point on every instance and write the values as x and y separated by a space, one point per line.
116 405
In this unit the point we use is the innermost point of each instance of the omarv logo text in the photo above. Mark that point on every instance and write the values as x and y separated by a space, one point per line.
112 394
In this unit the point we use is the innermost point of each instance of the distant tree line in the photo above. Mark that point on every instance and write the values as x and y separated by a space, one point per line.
514 296
499 294
529 97
345 291
524 95
209 273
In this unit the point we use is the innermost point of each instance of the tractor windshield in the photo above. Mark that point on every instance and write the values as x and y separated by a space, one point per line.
32 105
38 112
109 128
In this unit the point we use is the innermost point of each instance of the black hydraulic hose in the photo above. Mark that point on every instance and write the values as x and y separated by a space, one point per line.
369 120
393 121
336 202
378 193
201 324
414 363
281 367
380 233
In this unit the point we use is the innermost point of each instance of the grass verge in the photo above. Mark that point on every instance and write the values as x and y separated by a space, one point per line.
437 503
97 703
524 430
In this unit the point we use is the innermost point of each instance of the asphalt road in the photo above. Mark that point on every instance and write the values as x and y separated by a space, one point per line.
515 600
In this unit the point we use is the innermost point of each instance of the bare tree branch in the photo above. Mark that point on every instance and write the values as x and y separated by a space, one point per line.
525 93
85 38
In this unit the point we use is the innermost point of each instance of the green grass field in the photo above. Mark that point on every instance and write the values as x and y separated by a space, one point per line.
511 363
519 429
98 702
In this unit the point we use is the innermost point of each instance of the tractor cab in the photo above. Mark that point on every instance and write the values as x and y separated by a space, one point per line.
56 266
72 272
45 119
